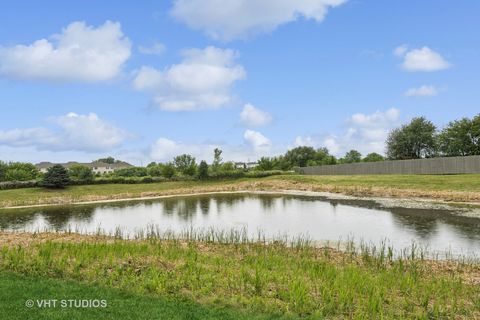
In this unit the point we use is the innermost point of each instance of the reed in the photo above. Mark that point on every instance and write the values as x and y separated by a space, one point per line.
285 275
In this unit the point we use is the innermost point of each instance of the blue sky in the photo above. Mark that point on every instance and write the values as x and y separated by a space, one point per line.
146 81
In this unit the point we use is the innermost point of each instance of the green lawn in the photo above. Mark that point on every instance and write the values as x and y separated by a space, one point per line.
17 289
465 182
461 187
90 192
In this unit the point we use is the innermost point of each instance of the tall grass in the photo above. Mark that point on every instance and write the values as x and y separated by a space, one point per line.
283 275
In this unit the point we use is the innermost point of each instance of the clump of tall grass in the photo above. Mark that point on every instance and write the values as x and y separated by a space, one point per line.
288 275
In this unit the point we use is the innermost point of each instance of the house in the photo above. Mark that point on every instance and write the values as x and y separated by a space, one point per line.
245 165
96 166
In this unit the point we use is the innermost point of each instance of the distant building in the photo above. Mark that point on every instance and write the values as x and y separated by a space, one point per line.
96 166
245 165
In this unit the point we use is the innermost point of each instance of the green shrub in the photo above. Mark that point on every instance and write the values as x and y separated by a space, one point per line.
202 171
3 170
185 164
56 177
131 172
18 171
19 184
81 173
155 170
168 170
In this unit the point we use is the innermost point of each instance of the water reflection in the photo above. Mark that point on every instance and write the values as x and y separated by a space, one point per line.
319 217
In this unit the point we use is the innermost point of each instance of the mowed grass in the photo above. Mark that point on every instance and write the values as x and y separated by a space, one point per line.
293 280
120 304
446 187
461 182
29 196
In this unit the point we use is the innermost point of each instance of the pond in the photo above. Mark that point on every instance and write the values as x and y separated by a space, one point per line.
317 217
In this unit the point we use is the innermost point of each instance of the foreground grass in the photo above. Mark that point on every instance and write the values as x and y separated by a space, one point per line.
460 188
120 304
232 273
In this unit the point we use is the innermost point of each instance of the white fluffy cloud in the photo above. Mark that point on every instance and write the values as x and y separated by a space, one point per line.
165 150
227 20
364 132
423 91
254 117
202 80
423 59
257 140
255 146
79 53
76 132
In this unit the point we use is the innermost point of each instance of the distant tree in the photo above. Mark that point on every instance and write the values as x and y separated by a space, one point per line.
109 160
412 141
461 137
227 166
373 157
281 163
299 156
321 157
81 172
202 170
185 164
3 170
56 177
20 171
168 170
352 156
18 175
217 158
265 164
155 170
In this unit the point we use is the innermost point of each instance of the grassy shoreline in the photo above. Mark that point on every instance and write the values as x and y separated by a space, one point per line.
231 273
453 188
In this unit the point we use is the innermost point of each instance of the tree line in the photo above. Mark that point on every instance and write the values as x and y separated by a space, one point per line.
421 139
418 139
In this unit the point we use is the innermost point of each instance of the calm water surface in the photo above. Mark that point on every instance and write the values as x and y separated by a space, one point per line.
317 217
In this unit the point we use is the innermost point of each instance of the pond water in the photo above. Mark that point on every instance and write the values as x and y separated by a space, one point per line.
317 217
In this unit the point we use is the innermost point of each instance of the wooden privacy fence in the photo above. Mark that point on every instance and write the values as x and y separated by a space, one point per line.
450 165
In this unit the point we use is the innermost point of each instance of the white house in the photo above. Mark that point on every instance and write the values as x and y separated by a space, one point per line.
245 165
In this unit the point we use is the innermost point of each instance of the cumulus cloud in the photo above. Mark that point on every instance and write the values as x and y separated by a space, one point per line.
78 53
75 132
156 49
364 132
257 140
202 80
423 59
254 117
423 91
165 150
227 20
255 146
